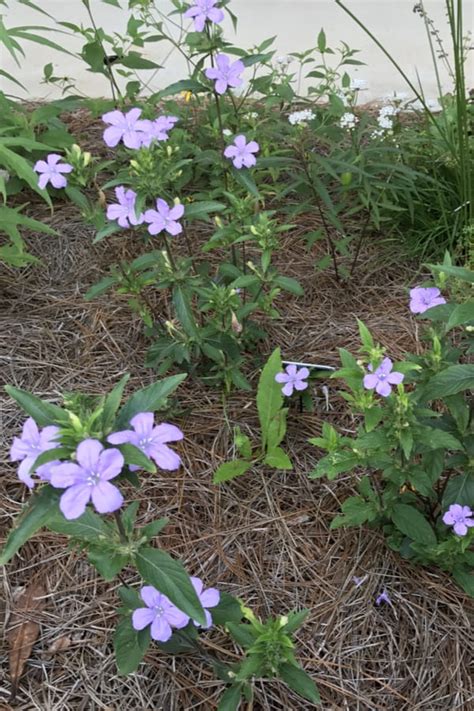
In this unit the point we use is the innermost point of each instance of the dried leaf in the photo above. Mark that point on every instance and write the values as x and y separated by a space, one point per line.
24 630
59 645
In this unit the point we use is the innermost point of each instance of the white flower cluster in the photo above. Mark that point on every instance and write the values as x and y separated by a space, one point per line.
348 120
386 116
299 117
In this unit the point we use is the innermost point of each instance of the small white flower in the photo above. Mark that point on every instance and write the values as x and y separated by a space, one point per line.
299 117
385 122
227 132
349 121
283 59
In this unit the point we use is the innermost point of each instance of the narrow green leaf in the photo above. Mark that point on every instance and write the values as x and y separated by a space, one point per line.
133 455
231 470
43 413
39 510
231 699
269 395
112 403
149 399
170 578
278 459
298 680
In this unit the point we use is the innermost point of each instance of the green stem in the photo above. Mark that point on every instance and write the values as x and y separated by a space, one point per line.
121 528
114 87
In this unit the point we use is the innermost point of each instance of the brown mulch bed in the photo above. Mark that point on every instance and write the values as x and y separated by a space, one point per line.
264 537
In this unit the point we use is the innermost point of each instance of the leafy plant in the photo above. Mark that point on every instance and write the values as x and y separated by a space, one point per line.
272 415
414 444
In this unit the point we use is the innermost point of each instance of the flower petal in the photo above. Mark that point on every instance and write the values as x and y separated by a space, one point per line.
164 457
88 453
74 501
142 617
67 474
106 497
111 463
166 433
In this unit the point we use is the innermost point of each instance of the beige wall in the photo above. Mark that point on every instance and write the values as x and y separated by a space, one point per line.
295 22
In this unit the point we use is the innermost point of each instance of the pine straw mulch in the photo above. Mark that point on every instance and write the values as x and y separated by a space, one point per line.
264 537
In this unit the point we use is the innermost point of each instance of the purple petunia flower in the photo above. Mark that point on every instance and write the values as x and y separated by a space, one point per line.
242 152
160 613
293 379
89 479
202 11
27 448
208 598
164 218
225 74
460 518
157 130
422 299
383 597
124 210
124 127
51 171
151 439
382 378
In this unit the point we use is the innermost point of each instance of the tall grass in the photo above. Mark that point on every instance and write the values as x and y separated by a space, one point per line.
446 200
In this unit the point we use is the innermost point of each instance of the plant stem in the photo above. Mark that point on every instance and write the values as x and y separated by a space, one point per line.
169 253
120 526
114 87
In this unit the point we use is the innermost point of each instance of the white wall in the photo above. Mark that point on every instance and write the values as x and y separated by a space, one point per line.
296 22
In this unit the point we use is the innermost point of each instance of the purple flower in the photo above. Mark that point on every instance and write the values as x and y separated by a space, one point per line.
358 581
208 598
27 448
204 10
89 479
383 597
164 218
422 299
160 613
225 73
460 518
382 378
293 379
157 130
51 171
151 439
124 127
242 152
124 211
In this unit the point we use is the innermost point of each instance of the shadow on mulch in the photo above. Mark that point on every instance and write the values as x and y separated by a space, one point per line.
264 537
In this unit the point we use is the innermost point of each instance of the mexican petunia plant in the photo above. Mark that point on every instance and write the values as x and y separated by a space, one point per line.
79 461
413 455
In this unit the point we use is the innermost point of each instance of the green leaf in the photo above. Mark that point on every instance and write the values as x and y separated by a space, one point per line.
465 579
108 563
365 336
89 527
170 578
201 210
153 529
278 459
295 620
372 417
134 60
130 597
462 314
459 490
149 399
288 284
434 438
231 470
453 380
355 511
185 85
130 646
322 41
19 166
243 634
228 610
413 524
298 680
184 312
102 286
43 413
458 272
134 455
37 513
244 177
231 699
269 397
112 403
